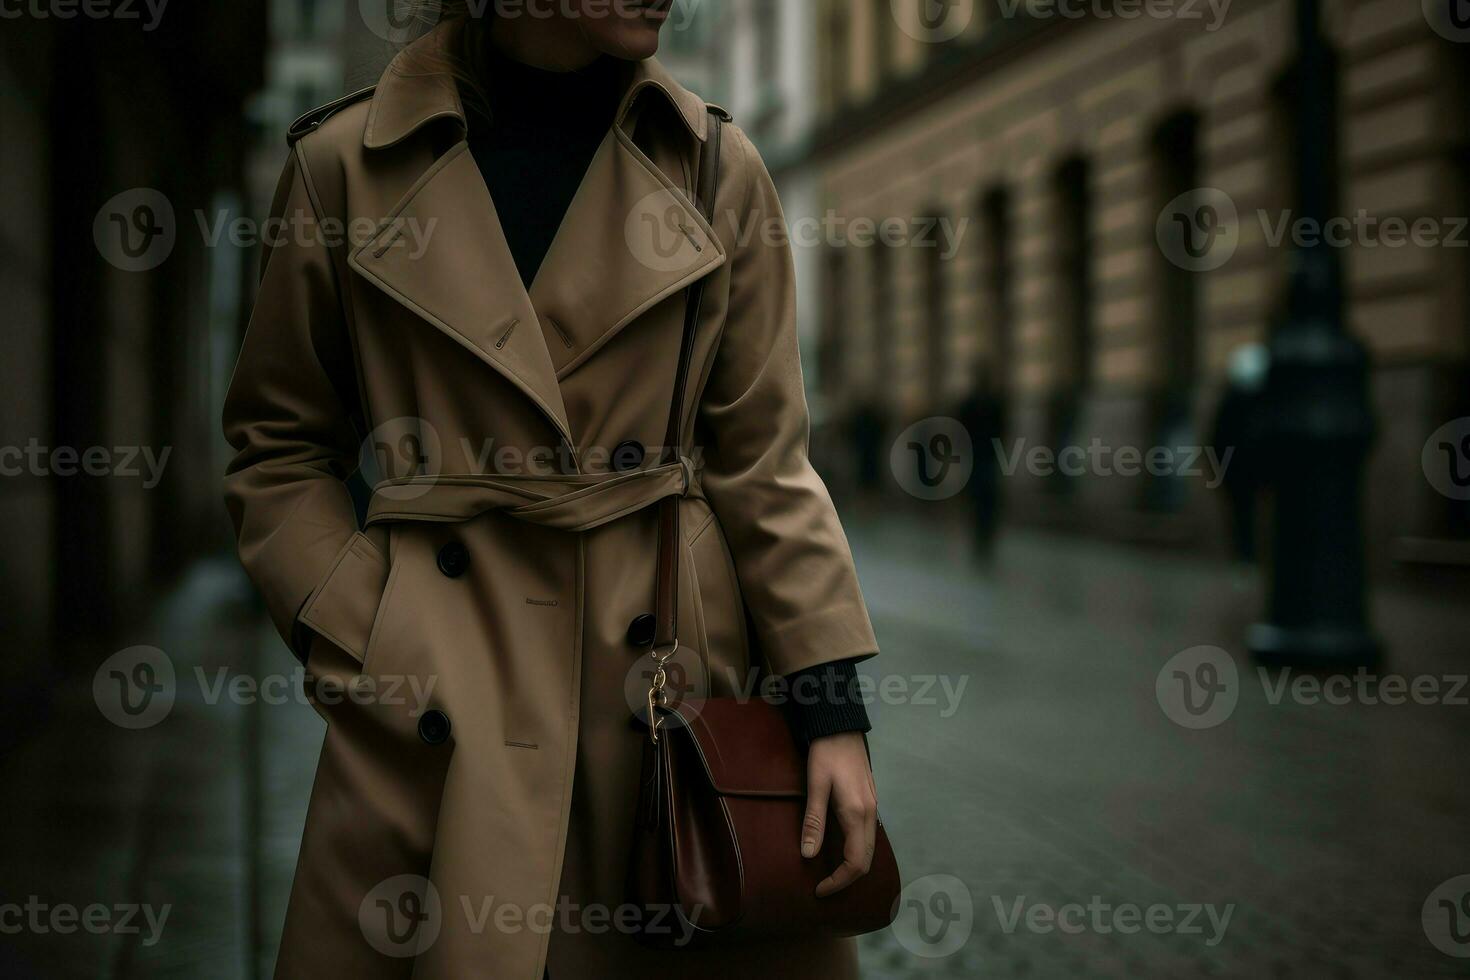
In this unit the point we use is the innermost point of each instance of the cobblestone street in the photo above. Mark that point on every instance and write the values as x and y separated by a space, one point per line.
1050 818
1059 779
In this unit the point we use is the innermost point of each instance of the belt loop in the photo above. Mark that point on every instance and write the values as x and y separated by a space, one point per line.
687 466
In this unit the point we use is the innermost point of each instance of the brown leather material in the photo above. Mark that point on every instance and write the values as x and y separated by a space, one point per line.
666 576
735 748
719 826
666 601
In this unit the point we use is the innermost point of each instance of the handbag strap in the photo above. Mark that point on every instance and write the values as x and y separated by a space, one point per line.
666 584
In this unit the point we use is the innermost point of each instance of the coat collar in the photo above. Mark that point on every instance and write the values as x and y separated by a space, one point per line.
416 89
631 238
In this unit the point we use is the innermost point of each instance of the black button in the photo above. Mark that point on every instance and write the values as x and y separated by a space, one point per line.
628 455
641 631
434 727
454 559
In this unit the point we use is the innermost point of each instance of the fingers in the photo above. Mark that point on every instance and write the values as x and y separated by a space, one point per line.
814 824
858 816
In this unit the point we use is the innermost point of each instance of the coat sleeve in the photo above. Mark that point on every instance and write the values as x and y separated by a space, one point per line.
791 557
285 416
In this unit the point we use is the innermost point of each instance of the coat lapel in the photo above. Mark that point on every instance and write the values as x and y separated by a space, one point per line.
456 272
630 239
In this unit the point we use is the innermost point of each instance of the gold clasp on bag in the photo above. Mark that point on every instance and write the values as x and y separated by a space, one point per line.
657 699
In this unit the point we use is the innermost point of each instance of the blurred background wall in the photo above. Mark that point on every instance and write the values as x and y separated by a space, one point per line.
1060 140
105 366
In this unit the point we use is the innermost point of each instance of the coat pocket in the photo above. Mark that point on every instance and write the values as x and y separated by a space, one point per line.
345 605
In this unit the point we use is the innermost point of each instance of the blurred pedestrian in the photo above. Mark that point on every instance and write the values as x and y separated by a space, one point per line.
983 414
1237 430
867 443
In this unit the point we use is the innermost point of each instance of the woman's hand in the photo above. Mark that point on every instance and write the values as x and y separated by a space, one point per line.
840 782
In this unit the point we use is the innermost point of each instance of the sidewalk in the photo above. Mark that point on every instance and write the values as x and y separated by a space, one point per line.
1059 780
1026 766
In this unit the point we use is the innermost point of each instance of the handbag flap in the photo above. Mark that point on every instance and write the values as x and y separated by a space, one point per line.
746 746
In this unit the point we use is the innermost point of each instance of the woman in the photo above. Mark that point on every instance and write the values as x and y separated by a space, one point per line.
506 336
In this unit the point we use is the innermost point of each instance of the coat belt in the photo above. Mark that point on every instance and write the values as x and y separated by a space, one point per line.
571 503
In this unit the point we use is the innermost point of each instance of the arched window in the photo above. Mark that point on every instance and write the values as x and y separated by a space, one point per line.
836 74
885 347
937 355
996 286
1074 273
830 375
1072 346
883 35
1175 171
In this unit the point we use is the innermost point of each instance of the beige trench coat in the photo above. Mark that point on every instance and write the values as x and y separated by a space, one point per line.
468 646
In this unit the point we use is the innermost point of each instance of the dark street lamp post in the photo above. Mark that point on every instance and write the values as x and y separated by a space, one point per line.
1319 424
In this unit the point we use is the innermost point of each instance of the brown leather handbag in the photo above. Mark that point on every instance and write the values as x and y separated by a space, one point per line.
715 853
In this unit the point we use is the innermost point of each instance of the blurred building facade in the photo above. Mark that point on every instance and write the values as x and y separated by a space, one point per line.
122 137
1051 138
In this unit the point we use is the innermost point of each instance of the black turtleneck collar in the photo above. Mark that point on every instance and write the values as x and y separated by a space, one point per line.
534 149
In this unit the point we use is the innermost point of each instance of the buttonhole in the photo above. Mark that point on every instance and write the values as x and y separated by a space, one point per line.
565 339
505 337
512 743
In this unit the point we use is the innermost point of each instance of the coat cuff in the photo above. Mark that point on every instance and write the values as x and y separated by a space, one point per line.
825 700
836 633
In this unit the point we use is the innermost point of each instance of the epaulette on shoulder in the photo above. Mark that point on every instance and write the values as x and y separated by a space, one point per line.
311 121
720 111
